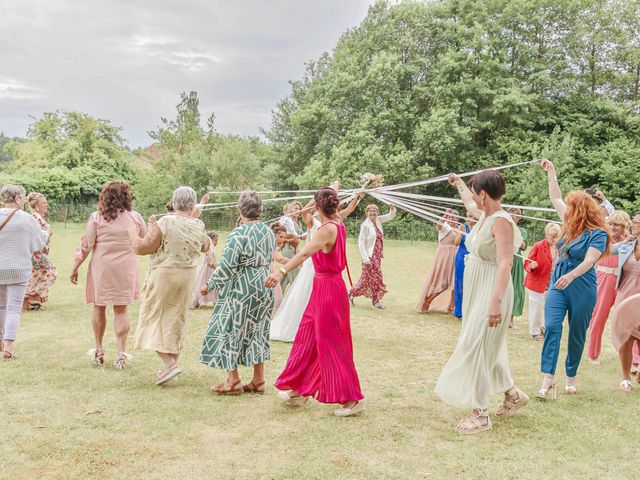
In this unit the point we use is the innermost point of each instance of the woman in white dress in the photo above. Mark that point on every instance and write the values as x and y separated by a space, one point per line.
284 324
479 365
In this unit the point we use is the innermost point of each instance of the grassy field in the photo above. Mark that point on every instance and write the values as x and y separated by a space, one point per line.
63 418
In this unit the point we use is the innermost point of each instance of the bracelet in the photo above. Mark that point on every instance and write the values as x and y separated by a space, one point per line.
282 271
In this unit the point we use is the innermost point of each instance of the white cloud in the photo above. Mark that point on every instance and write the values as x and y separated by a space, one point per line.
128 61
17 90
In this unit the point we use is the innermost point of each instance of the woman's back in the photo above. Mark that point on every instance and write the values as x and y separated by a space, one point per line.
20 237
334 261
182 241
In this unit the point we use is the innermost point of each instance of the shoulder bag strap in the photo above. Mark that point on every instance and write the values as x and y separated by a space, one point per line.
8 218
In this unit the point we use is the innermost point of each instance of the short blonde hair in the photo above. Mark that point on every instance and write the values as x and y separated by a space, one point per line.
620 217
370 206
552 229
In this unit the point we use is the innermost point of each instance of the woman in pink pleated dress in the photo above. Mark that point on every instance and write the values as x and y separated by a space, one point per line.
321 361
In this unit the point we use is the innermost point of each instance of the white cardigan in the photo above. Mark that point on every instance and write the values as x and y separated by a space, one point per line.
367 237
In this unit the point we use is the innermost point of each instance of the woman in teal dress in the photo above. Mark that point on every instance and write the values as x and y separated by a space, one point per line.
238 332
517 270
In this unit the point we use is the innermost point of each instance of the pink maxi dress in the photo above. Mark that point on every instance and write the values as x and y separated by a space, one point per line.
113 277
321 360
605 270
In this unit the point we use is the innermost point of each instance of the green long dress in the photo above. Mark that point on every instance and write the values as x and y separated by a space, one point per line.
238 332
517 275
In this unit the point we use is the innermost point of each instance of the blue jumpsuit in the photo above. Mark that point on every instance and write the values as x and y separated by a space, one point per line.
458 278
578 300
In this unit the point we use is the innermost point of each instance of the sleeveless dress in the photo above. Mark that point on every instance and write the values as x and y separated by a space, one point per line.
517 276
284 325
321 360
479 365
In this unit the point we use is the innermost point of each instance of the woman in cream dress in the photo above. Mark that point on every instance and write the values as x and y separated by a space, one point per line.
479 366
175 243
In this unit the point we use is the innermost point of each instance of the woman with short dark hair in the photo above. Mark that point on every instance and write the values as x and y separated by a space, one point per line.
238 332
113 277
479 365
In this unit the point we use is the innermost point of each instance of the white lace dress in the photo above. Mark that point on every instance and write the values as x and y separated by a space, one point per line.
284 324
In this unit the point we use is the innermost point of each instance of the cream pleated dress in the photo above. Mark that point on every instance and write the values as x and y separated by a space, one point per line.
479 366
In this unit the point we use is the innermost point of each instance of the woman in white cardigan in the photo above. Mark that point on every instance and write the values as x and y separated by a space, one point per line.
20 236
370 242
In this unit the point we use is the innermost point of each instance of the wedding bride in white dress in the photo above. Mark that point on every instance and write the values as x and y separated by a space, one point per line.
284 324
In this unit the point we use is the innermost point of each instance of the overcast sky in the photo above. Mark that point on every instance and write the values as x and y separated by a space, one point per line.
128 60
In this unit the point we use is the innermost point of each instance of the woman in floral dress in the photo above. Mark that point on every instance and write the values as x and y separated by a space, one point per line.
43 273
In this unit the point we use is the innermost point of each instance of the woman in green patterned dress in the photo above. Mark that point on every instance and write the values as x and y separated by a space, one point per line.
238 332
517 271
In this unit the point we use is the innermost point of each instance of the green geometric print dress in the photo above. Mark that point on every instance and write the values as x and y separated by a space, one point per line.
238 332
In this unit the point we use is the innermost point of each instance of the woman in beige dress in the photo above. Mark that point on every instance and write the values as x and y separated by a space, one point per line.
479 365
113 278
439 279
175 243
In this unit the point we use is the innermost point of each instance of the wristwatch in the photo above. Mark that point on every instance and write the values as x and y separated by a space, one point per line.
283 271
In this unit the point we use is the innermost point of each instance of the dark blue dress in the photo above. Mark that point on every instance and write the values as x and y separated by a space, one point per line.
458 278
578 300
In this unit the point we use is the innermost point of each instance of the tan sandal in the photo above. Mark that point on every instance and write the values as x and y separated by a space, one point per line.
509 406
473 424
227 389
7 355
254 388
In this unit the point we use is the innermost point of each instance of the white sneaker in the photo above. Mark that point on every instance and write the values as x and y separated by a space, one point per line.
347 412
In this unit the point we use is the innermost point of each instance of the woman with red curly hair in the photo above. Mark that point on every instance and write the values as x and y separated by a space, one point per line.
113 278
573 289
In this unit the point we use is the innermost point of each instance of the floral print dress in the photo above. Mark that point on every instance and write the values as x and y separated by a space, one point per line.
43 273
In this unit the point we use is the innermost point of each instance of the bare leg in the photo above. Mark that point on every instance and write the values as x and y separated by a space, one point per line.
258 373
121 325
625 354
99 323
233 377
169 359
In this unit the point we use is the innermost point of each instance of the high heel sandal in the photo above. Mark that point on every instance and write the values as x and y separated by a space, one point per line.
97 356
625 386
551 390
121 360
570 388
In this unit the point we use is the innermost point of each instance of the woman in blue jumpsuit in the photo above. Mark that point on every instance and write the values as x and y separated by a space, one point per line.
573 287
458 278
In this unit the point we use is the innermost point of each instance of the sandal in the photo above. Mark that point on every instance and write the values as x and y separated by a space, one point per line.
509 405
227 388
121 360
570 386
378 305
473 424
97 356
169 373
625 386
254 388
548 389
7 355
297 401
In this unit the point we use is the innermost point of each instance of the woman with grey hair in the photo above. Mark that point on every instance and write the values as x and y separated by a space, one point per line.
20 236
238 332
175 243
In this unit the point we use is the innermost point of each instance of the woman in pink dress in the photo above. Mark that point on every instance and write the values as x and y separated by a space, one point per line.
113 278
321 360
625 332
619 223
439 279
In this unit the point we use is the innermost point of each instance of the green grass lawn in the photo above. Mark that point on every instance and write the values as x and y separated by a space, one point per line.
63 418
